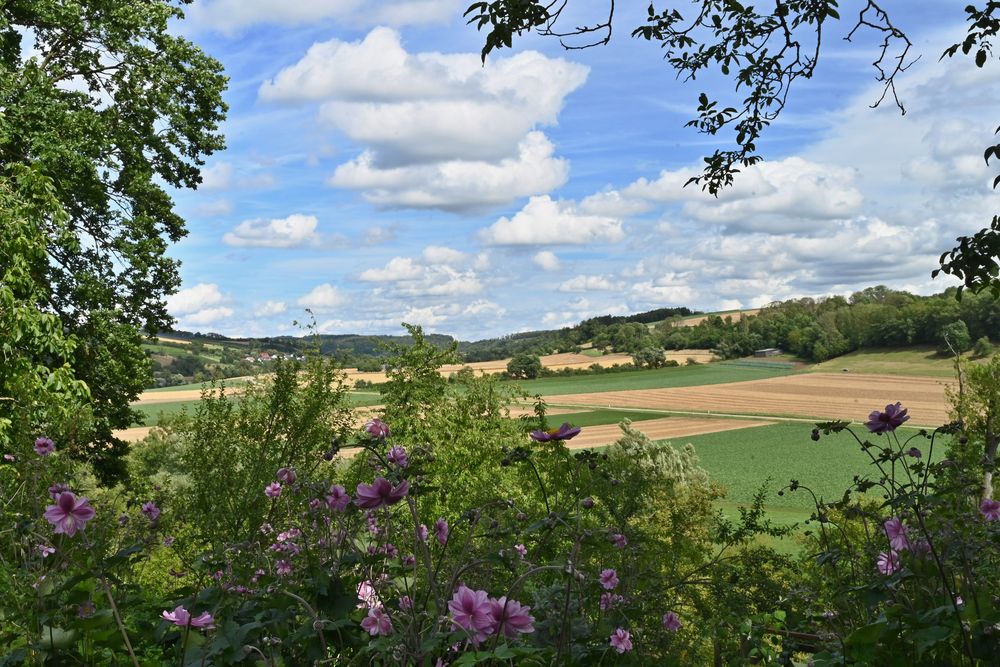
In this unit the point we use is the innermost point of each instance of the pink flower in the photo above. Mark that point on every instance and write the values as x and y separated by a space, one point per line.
609 579
9 458
564 432
69 514
181 617
151 511
511 617
397 456
441 531
619 540
887 563
338 498
377 429
471 611
44 446
58 488
377 622
621 640
272 490
286 475
521 550
405 603
609 600
315 504
283 568
422 533
897 531
380 493
45 550
890 419
671 621
990 509
367 595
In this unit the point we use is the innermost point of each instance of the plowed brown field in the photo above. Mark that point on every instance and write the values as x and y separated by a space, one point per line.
821 395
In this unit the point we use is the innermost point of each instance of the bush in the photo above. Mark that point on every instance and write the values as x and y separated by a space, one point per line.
524 367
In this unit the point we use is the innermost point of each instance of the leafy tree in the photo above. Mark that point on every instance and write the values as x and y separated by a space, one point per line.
524 366
766 49
983 347
955 338
102 110
649 357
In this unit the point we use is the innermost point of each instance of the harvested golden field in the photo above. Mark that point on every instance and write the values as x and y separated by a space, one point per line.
737 316
819 395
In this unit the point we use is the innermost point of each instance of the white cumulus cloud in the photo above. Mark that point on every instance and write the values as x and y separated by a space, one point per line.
544 221
438 130
322 298
295 230
547 260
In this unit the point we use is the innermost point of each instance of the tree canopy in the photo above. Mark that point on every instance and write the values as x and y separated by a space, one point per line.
765 49
102 111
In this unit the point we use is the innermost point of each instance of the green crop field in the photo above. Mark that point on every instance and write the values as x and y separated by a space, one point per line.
917 360
604 416
154 410
742 460
660 378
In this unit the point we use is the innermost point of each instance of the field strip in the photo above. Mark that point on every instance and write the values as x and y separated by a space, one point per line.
661 429
814 395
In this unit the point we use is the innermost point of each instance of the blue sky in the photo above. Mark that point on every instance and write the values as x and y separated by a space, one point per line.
377 173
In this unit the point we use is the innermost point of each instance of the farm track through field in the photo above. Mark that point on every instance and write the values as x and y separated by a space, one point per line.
819 395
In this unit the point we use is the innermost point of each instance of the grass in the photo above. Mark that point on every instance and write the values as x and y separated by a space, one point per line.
743 460
229 382
916 360
591 352
660 378
152 411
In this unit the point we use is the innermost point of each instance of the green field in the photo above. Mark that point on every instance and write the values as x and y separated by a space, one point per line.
591 352
152 411
680 376
229 382
918 360
604 416
742 460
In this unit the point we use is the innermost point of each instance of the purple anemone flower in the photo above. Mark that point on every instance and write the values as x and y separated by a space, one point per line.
151 511
888 420
621 640
286 475
671 621
990 509
377 429
510 617
44 446
181 617
397 456
69 514
380 493
564 432
338 498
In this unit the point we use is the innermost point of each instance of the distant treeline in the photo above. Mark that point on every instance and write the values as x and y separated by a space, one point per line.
820 329
607 329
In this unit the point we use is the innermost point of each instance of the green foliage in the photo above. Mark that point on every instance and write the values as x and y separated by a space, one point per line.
983 347
955 338
84 173
230 448
524 366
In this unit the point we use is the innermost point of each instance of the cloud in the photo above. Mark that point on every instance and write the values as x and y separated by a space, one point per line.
216 208
435 254
412 278
218 176
546 259
199 305
232 16
322 298
589 284
438 130
295 230
774 196
195 298
482 307
270 308
544 221
456 185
